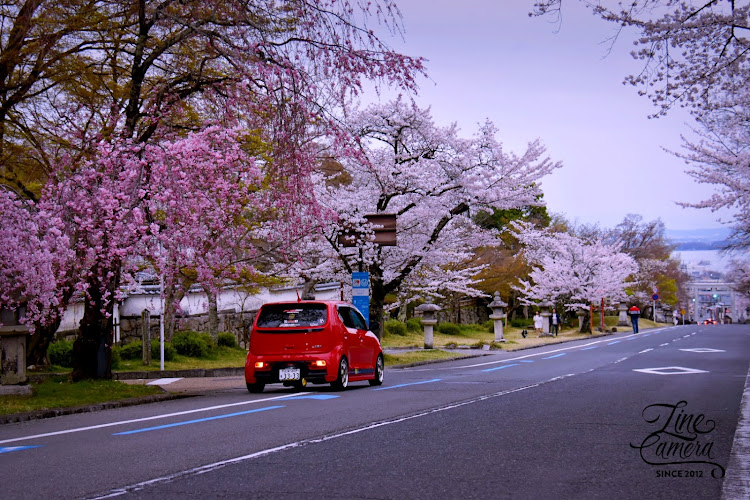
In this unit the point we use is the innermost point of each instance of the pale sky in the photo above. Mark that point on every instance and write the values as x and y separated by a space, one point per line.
535 79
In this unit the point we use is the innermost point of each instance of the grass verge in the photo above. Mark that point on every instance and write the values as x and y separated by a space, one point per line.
223 357
58 392
409 357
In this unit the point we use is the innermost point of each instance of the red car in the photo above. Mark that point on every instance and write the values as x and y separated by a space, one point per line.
709 322
312 341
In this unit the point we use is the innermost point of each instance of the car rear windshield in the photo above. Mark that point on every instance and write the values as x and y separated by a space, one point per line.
292 315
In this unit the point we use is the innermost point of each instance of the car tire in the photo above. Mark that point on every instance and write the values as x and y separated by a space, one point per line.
256 387
342 380
379 364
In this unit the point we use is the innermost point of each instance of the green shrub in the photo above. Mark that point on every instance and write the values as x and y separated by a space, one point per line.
193 344
210 342
449 329
116 358
169 351
395 327
132 350
414 325
227 339
489 325
522 322
61 353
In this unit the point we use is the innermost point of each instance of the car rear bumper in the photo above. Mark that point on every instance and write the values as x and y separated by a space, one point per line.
312 374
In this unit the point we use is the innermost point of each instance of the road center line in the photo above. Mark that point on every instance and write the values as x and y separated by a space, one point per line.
556 355
197 420
9 449
500 367
404 385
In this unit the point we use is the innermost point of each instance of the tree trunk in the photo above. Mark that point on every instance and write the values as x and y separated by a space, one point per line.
169 302
36 352
308 289
586 326
213 313
403 312
377 301
92 349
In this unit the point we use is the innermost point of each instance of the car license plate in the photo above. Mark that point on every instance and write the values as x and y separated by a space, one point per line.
289 374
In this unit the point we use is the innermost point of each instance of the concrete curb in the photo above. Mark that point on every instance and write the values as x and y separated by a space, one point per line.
200 372
58 412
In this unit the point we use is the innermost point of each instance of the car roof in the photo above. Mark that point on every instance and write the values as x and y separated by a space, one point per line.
293 302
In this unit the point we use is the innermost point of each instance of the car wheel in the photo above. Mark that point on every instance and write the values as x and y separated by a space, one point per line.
256 387
378 380
342 381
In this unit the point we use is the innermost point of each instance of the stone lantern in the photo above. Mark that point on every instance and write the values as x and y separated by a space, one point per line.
498 315
622 307
13 352
546 313
429 320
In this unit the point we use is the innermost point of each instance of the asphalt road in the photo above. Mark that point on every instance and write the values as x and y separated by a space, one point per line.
625 416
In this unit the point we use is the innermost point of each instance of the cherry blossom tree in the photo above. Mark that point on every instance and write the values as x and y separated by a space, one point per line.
696 54
721 157
570 270
739 274
433 180
646 242
693 52
34 252
154 81
35 261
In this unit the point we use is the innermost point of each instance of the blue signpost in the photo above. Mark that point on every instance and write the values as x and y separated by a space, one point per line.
361 293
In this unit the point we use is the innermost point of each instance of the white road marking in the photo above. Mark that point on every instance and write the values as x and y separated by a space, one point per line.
517 358
164 381
703 349
223 463
144 419
670 370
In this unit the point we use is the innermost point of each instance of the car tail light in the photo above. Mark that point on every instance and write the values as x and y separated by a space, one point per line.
261 365
319 363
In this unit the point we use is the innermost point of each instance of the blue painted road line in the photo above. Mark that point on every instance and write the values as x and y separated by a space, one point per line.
9 449
527 361
587 348
499 367
615 342
198 420
405 385
320 397
556 355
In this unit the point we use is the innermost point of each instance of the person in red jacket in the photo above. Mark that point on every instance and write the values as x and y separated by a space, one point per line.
635 313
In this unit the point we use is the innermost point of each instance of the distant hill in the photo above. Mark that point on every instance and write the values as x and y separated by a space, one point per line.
699 239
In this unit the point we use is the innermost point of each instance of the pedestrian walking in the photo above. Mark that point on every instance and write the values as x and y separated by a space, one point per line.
635 313
537 323
555 322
